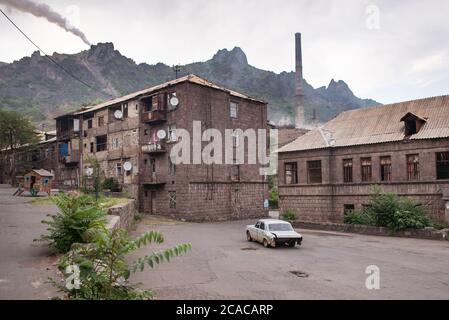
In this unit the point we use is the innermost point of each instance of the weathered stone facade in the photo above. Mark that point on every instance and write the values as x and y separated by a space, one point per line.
196 192
327 200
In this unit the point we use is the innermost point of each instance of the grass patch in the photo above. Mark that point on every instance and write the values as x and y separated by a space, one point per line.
103 201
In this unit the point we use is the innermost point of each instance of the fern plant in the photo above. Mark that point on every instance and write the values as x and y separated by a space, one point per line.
76 215
104 271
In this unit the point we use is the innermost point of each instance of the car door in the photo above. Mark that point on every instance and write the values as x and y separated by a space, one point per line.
253 231
261 232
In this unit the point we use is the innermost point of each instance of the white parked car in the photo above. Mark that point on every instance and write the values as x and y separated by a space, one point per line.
272 232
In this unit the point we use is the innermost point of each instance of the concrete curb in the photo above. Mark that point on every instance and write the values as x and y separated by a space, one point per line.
428 233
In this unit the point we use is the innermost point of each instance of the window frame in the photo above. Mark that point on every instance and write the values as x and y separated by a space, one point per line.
386 172
348 175
445 165
370 166
413 173
233 109
294 173
309 171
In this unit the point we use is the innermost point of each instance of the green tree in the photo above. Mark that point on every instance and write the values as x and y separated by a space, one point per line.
15 131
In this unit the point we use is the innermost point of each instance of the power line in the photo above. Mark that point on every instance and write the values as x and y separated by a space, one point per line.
52 60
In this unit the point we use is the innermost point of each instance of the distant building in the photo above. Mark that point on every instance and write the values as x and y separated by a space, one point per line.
402 147
123 135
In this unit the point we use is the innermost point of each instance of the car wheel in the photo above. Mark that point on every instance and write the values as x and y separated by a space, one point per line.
265 243
248 236
291 244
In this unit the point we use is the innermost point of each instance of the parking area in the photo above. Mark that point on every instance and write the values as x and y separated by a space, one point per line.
223 265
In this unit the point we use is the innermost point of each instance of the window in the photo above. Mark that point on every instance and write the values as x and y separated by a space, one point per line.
172 133
171 167
92 147
100 121
442 165
102 143
314 171
153 165
85 134
125 110
172 199
45 182
410 127
347 170
172 101
115 143
385 168
145 132
233 109
235 173
366 169
118 169
291 173
89 124
413 167
262 226
348 208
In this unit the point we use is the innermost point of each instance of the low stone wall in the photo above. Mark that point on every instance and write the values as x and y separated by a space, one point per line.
121 215
428 233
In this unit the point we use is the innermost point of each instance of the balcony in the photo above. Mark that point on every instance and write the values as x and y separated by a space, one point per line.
154 117
153 179
72 158
154 148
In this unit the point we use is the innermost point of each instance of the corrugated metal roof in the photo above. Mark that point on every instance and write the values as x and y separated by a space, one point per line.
377 124
190 78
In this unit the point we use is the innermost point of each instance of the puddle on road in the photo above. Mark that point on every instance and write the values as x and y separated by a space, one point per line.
249 249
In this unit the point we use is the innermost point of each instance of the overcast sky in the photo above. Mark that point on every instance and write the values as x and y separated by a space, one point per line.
386 50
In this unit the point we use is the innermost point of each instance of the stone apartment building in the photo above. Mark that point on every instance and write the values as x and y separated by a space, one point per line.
132 136
402 147
41 155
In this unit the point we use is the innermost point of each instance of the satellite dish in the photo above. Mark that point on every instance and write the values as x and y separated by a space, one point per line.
161 134
174 101
89 171
127 166
118 114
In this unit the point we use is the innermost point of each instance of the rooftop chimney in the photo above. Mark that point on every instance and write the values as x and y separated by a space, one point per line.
299 94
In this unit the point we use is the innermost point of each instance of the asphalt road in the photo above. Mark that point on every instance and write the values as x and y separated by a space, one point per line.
223 265
24 266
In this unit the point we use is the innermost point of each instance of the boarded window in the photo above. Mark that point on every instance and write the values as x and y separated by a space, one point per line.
385 168
291 173
115 143
100 121
442 165
314 171
413 167
233 109
347 170
366 169
172 199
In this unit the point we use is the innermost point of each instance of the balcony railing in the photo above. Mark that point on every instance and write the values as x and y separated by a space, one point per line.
72 158
153 117
154 148
153 178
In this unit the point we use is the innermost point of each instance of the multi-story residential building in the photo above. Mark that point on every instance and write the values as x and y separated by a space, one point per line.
41 155
402 147
132 137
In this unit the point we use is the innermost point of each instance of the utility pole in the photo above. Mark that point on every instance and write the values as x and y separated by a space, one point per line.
176 69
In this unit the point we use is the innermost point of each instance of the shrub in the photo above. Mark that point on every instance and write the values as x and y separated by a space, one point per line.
391 211
288 215
273 198
76 215
104 270
111 184
358 217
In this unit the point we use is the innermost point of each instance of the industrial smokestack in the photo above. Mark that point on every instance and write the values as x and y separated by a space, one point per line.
299 94
44 11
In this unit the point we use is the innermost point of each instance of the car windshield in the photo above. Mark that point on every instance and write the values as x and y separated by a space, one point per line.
280 227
